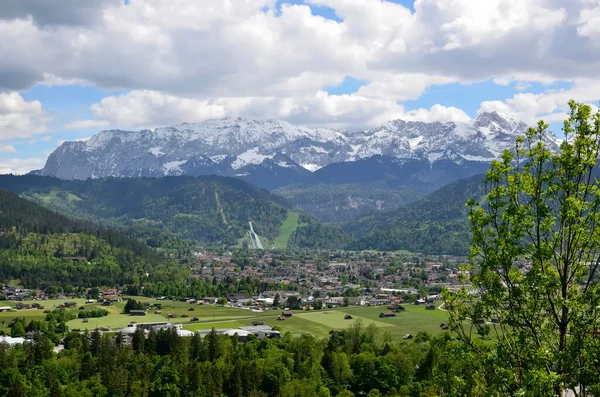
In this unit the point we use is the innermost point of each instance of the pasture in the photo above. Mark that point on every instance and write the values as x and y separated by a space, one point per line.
315 322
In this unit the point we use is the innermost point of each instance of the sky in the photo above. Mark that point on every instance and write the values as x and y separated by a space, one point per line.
72 68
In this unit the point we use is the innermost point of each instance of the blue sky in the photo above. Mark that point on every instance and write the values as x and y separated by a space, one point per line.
69 73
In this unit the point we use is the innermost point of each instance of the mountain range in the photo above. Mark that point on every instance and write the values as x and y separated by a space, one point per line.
276 153
336 175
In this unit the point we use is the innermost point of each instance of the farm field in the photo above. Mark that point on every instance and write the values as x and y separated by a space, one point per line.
317 323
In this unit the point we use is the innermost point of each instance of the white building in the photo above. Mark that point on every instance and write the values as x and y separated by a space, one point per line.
12 341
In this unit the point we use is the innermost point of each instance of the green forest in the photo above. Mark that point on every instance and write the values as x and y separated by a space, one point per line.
346 202
357 361
41 248
435 224
212 209
172 212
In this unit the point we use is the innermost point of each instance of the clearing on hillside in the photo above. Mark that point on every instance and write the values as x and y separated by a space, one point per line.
289 226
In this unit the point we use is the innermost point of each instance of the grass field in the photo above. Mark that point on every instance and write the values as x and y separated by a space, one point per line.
317 323
289 226
48 197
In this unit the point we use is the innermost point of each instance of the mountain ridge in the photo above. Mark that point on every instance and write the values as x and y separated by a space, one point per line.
239 147
211 210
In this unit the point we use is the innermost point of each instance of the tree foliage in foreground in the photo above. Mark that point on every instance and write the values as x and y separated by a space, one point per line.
535 256
352 362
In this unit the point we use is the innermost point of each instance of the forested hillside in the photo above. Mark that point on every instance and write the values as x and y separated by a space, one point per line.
316 235
346 202
41 248
204 209
209 209
436 224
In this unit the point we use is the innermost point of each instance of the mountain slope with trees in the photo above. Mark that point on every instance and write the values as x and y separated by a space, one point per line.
436 224
41 248
208 209
345 202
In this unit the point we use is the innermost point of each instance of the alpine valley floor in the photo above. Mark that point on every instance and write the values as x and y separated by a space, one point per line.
315 322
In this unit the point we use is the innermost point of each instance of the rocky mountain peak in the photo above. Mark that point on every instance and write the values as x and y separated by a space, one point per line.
228 146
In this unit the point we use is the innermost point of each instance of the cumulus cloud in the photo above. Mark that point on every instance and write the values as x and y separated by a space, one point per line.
20 166
146 109
62 12
550 106
438 113
61 141
252 48
20 118
178 60
589 22
82 124
7 148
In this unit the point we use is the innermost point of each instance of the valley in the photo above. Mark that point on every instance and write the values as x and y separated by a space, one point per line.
299 198
316 323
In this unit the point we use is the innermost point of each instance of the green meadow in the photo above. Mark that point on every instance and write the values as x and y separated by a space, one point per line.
315 322
289 226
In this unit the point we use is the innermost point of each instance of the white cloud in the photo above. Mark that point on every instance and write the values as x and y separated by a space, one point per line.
204 48
20 166
401 87
146 109
181 60
438 113
61 141
82 124
551 105
7 148
20 118
589 22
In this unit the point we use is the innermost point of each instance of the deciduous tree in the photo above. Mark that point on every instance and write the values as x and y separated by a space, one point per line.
535 256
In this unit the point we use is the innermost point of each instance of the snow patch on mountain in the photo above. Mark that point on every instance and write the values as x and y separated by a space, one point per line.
157 151
173 166
310 167
251 156
222 146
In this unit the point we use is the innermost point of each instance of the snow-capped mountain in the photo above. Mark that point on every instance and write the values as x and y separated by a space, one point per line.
284 152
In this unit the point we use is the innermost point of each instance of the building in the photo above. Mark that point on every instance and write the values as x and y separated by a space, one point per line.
70 304
287 314
209 300
239 298
378 302
5 308
358 300
430 307
137 312
262 331
11 341
387 314
154 327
